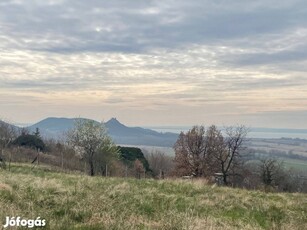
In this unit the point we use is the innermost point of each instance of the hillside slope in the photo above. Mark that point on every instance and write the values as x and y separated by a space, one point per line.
71 201
53 127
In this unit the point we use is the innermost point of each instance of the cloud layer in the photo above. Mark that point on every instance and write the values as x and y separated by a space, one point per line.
155 62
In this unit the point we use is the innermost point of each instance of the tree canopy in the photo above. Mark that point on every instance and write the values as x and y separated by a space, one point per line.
32 141
204 152
130 154
92 142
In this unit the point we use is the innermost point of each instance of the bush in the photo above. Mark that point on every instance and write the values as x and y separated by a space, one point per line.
32 141
130 154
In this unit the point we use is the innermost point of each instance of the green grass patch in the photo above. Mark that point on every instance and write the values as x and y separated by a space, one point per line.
299 165
73 201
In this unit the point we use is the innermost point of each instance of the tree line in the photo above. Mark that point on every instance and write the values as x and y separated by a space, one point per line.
222 156
211 153
202 152
87 147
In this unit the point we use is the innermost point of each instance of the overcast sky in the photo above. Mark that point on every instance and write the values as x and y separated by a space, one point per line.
166 62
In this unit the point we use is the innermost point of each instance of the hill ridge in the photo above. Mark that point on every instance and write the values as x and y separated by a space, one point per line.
55 127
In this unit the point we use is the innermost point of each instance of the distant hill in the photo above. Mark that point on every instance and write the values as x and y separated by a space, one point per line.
12 127
122 134
53 127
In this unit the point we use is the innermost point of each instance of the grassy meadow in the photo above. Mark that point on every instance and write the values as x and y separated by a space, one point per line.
76 201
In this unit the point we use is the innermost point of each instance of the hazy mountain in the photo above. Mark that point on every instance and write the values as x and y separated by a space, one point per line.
56 127
15 128
52 127
8 124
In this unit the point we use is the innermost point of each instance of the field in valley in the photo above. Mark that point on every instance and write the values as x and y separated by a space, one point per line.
76 201
295 146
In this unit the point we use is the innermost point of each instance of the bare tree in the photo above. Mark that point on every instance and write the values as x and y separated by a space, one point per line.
190 150
139 168
7 135
215 147
228 155
270 170
90 138
203 153
160 163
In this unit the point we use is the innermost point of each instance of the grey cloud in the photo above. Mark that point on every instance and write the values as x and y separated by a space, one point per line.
114 100
263 58
127 26
231 84
48 83
172 53
268 83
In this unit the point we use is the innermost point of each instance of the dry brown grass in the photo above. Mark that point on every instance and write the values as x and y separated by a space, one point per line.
5 187
74 201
